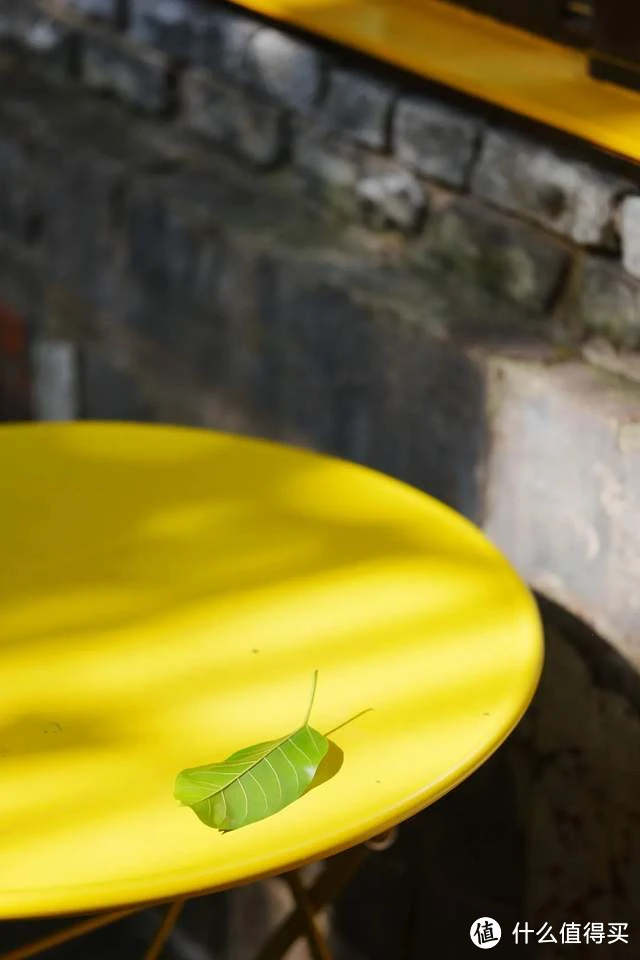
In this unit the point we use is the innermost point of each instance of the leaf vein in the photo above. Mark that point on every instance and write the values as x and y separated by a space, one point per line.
292 767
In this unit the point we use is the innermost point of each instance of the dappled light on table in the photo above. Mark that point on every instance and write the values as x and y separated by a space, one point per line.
165 597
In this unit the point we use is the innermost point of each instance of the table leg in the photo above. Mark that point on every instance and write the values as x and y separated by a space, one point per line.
67 933
318 946
163 934
336 874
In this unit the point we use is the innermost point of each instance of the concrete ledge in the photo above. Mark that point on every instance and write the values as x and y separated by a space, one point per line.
562 495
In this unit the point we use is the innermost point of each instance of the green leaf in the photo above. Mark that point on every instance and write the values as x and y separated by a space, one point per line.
255 782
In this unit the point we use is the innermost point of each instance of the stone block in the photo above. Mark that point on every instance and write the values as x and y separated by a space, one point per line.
358 107
326 158
607 302
571 198
206 103
222 42
563 501
242 123
140 77
330 167
53 42
391 198
33 26
286 69
629 221
504 256
435 140
54 373
170 26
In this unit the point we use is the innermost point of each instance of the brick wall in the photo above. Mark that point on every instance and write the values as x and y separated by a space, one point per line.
206 219
556 238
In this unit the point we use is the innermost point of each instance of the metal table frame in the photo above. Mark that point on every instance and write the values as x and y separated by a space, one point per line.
301 922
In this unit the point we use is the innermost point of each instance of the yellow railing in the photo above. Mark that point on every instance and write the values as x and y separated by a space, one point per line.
474 54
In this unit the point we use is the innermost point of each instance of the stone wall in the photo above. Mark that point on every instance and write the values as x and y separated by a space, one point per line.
207 219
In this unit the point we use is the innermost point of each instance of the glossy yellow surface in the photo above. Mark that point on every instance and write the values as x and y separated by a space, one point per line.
165 595
478 56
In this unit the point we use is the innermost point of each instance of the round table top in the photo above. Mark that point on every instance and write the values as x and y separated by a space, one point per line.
165 596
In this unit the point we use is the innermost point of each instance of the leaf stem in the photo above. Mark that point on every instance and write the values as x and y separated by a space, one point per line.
314 684
341 725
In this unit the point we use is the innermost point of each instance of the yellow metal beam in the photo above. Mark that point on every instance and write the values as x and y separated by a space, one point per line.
478 56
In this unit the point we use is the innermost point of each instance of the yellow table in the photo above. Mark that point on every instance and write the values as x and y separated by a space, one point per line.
165 596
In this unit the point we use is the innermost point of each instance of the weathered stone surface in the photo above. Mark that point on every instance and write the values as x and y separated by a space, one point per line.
434 139
622 363
13 16
15 323
358 107
391 198
20 190
163 248
569 197
286 69
145 227
327 162
243 123
54 370
110 392
467 856
137 13
169 25
21 282
52 41
35 28
502 255
563 497
135 74
222 42
103 9
81 253
575 762
630 230
607 302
